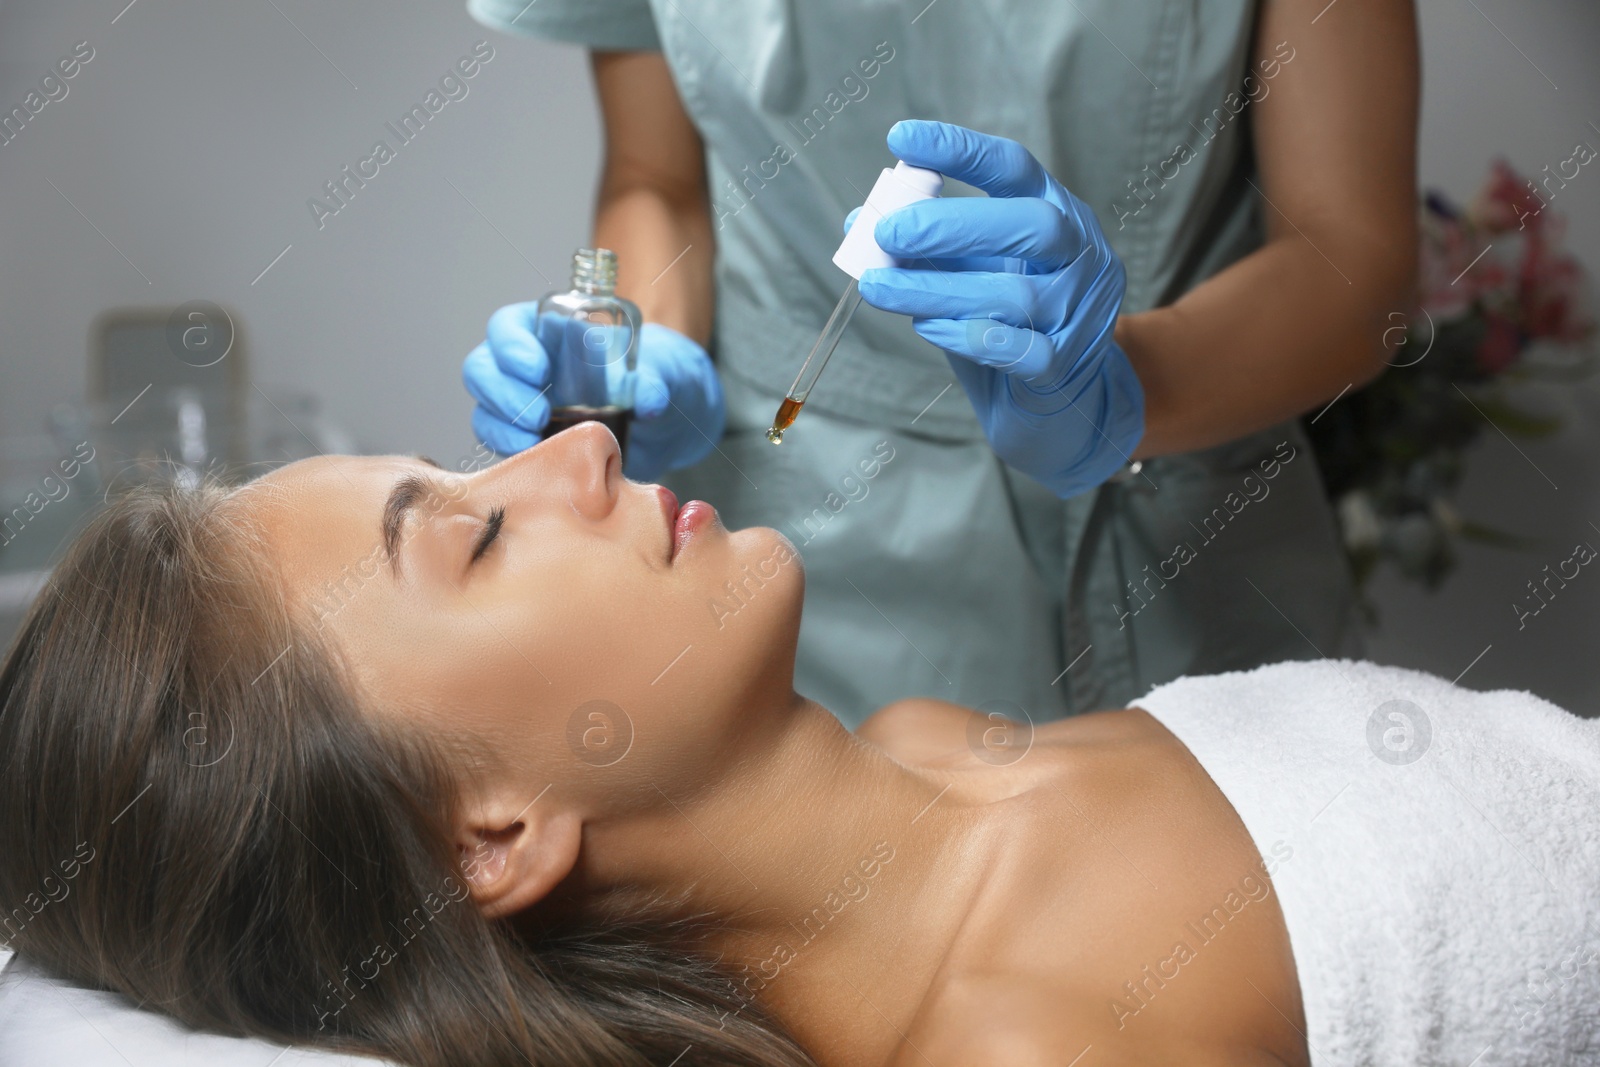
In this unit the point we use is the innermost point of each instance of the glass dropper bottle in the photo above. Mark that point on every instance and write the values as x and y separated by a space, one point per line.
592 338
894 189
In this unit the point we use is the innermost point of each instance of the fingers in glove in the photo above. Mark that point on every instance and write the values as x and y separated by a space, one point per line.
644 462
998 166
664 444
1010 298
651 397
517 352
499 435
997 345
989 263
1022 227
508 399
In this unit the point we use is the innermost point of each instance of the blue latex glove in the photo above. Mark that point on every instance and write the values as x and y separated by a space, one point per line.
678 413
1021 291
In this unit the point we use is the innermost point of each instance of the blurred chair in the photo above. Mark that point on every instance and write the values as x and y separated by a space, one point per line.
170 398
173 382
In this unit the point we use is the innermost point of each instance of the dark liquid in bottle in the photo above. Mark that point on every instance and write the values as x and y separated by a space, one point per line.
615 419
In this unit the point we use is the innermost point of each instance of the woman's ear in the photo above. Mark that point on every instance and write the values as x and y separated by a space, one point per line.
512 862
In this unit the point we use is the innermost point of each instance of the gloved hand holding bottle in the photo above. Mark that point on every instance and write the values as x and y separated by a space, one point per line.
1022 291
678 412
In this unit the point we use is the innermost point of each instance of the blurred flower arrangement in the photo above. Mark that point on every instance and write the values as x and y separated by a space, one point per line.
1501 304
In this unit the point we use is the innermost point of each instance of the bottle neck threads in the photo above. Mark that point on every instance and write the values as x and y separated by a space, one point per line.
594 270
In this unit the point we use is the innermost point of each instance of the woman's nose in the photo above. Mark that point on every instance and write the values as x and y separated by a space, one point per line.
582 464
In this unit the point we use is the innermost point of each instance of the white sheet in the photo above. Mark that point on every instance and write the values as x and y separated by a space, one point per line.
49 1023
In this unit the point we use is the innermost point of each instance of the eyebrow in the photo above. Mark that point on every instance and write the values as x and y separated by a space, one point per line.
408 492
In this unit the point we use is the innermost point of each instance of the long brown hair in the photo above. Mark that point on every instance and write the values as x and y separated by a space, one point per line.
194 812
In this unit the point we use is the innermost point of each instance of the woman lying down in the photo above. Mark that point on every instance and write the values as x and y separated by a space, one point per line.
466 769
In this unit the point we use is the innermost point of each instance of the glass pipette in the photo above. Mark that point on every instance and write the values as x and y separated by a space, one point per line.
811 369
894 189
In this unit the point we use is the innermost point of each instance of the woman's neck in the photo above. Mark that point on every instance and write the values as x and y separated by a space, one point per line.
822 858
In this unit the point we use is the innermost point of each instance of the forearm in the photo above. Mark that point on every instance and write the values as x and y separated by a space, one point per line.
1278 333
1285 329
664 245
653 207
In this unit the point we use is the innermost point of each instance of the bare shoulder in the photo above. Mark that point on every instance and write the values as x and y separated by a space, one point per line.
1008 1021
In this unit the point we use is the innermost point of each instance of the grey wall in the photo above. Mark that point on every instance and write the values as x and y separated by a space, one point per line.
1484 94
194 138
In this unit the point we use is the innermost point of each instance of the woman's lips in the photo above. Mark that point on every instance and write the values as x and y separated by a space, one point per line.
693 517
683 522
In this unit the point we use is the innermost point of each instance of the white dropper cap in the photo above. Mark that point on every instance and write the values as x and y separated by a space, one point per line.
893 190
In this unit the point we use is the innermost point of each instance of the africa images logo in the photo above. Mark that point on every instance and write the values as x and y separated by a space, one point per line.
452 86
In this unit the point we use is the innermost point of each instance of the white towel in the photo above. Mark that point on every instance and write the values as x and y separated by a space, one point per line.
1443 892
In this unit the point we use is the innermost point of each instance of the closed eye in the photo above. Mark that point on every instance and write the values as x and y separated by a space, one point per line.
491 530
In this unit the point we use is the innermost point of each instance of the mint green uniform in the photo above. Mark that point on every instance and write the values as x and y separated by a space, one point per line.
931 568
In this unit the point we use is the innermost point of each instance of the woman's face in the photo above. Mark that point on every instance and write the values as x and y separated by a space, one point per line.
546 606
